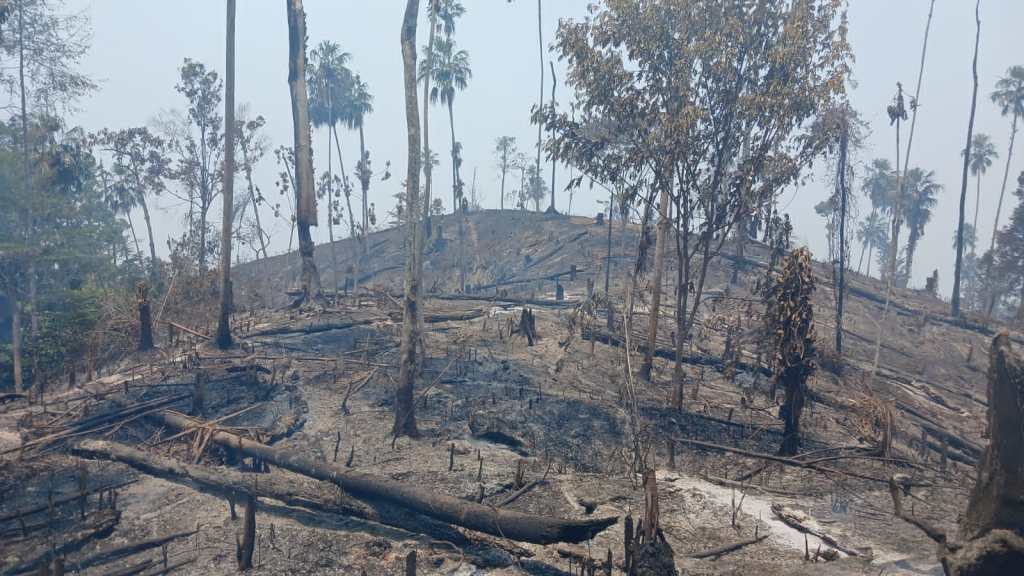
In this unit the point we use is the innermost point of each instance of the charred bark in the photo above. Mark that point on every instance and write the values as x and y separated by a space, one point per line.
305 193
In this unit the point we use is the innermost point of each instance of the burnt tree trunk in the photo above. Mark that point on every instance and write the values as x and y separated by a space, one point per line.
245 548
405 415
227 186
145 319
305 193
794 382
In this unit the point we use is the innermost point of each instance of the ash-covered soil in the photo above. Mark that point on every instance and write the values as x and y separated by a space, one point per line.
496 414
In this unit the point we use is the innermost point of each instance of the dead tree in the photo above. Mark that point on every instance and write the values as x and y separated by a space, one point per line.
145 318
991 538
405 415
227 186
647 551
305 188
789 328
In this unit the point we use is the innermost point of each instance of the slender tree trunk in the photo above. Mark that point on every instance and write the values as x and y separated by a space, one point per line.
345 183
227 185
153 266
348 204
860 262
252 196
608 261
901 182
426 228
554 84
135 237
955 305
683 258
305 194
871 255
1006 176
501 199
992 296
841 286
405 415
977 208
330 188
659 266
12 298
364 180
459 213
540 101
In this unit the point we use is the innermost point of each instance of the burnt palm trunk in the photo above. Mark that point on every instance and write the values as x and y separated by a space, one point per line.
305 195
405 415
955 304
227 186
364 181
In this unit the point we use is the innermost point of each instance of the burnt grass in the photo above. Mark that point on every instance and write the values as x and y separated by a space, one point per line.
488 404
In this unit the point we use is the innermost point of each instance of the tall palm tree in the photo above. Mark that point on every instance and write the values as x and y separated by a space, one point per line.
1009 96
983 152
450 74
880 185
359 105
921 193
330 84
871 232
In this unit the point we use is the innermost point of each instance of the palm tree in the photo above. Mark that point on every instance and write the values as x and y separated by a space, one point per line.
450 74
970 237
872 232
983 152
1009 96
448 11
880 185
358 105
920 197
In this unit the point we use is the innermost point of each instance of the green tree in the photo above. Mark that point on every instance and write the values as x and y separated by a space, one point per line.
140 167
1008 261
872 232
920 196
197 140
505 152
1009 97
714 102
450 74
983 153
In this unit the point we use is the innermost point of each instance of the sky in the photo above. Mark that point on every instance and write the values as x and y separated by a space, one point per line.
138 47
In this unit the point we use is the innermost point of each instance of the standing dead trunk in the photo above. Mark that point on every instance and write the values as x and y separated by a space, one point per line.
245 548
149 234
844 142
305 194
330 190
659 266
995 501
227 186
955 304
684 259
540 101
405 416
792 408
12 299
554 84
145 318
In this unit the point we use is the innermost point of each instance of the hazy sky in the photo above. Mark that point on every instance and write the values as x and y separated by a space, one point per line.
139 45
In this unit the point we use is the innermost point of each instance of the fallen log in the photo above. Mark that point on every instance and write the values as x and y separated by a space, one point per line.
98 525
800 521
238 486
504 523
314 327
716 553
186 329
63 500
507 300
114 554
602 335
